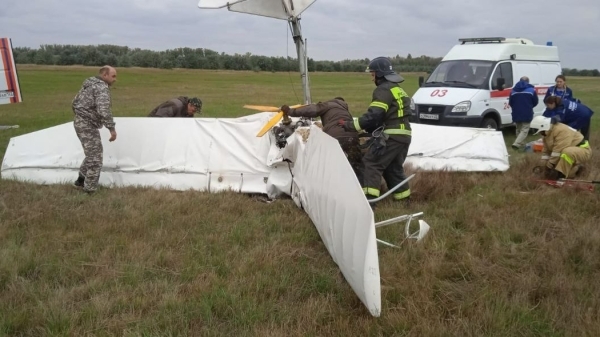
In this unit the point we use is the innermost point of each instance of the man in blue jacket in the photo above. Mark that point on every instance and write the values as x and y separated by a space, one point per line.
575 115
522 100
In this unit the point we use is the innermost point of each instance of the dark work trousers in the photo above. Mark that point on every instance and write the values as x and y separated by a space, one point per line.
351 148
585 131
390 165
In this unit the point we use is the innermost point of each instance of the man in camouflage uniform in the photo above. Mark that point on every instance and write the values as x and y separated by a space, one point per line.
178 107
92 108
331 112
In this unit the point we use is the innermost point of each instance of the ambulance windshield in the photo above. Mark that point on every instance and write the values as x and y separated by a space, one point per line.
461 74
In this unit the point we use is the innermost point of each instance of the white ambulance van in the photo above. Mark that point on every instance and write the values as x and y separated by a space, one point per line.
471 85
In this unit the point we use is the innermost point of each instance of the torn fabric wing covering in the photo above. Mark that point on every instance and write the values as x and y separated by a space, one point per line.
326 187
221 153
217 154
278 9
436 148
178 153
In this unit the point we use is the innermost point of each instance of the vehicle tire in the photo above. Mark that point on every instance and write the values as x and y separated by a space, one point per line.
489 123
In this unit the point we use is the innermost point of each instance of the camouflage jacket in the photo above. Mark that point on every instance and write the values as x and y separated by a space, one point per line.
92 103
176 107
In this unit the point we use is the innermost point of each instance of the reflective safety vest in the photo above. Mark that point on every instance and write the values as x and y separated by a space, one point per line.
394 104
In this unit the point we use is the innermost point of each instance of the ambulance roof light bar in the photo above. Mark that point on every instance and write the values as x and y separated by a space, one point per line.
482 39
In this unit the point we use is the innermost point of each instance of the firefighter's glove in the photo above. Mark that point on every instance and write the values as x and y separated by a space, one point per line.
346 125
549 165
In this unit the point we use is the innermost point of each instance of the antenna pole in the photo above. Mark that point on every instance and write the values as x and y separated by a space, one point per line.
302 58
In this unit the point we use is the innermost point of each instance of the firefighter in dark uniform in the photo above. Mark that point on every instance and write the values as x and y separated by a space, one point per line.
387 121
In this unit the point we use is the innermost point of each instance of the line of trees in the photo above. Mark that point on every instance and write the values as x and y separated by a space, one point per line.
199 58
202 58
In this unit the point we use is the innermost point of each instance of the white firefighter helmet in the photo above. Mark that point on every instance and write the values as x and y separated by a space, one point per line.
541 123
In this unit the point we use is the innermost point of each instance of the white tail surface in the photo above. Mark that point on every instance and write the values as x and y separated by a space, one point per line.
278 9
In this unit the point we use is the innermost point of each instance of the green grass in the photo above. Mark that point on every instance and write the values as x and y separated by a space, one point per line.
505 256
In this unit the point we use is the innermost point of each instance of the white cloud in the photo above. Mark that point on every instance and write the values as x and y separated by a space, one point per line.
335 29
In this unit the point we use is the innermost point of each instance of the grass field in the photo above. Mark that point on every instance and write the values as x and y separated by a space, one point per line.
505 256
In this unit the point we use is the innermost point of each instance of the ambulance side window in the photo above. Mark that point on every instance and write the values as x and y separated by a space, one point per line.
503 70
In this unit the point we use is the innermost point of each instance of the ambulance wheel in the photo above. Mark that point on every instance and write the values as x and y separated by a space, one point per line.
489 123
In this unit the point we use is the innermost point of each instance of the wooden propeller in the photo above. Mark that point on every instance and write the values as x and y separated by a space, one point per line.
274 120
262 108
271 123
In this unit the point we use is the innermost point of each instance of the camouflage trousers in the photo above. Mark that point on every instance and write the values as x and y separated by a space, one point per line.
92 148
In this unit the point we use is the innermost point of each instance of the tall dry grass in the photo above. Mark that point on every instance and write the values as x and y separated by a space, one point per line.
506 255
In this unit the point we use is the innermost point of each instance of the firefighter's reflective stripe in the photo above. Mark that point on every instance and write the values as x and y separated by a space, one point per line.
401 131
381 105
585 145
357 124
555 154
399 93
545 157
567 158
402 195
371 191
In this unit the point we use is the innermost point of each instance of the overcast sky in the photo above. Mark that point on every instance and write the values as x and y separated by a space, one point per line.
335 29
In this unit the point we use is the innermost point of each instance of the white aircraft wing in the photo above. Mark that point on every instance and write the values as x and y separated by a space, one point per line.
278 9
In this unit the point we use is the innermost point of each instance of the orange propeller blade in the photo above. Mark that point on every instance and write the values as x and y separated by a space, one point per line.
262 108
270 124
267 108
